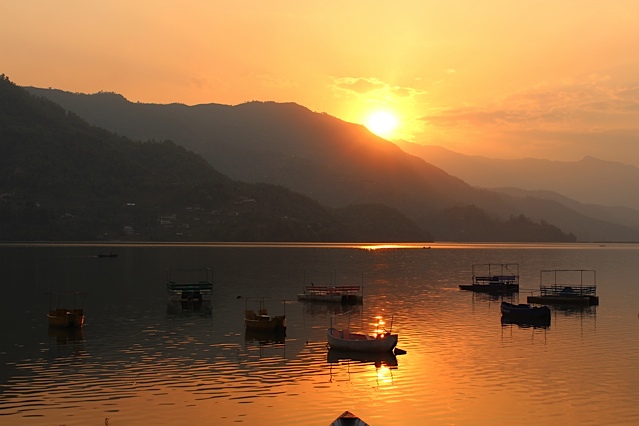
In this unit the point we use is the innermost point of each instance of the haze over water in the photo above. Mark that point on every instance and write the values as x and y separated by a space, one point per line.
141 361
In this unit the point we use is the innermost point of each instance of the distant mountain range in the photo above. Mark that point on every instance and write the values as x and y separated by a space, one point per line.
63 179
341 164
588 181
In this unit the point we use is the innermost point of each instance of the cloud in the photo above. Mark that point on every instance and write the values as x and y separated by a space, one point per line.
373 88
588 105
594 116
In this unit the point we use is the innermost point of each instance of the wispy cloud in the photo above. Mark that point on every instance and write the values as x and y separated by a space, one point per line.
374 88
594 116
591 105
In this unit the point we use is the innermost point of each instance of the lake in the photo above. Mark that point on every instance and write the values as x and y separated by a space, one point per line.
141 360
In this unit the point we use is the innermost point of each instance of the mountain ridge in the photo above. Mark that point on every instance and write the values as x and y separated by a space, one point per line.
590 180
334 162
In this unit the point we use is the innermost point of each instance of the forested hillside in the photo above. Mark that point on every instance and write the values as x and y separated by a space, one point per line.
332 161
63 179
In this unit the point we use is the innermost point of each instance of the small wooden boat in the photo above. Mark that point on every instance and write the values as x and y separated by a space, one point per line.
64 317
348 419
262 321
348 294
523 310
486 279
381 341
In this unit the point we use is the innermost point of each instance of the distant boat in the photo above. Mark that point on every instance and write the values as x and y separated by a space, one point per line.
381 341
347 294
348 419
494 278
64 316
107 255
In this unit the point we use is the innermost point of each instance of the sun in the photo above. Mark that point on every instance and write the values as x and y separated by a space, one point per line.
382 123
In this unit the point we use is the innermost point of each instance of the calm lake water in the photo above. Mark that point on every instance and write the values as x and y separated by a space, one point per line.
140 360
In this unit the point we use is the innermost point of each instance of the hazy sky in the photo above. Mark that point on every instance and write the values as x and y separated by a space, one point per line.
508 79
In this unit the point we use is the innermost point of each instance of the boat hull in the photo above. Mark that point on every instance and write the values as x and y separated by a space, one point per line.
329 298
524 311
491 288
264 322
66 318
565 300
332 294
347 341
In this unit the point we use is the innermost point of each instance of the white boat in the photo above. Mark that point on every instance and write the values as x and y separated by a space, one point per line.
380 341
348 419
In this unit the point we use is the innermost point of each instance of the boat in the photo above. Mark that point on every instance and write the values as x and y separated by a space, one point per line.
524 311
494 278
107 255
347 294
380 341
66 317
348 419
196 285
260 320
567 287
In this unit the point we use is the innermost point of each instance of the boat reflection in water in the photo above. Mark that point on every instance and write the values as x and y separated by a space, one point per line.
269 344
379 359
200 308
263 337
323 309
64 336
541 322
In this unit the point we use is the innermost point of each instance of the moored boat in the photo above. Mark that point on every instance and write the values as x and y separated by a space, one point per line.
524 310
107 255
494 278
348 294
196 285
345 339
567 287
262 321
65 317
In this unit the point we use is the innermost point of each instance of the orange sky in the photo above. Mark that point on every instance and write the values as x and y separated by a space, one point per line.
506 79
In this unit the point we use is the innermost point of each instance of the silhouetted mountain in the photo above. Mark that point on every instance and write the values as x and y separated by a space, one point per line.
334 162
64 179
589 181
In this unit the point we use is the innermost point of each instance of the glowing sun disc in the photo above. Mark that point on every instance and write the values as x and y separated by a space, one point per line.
382 123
